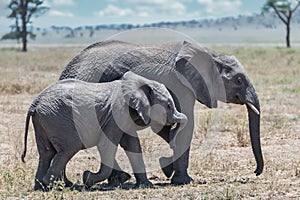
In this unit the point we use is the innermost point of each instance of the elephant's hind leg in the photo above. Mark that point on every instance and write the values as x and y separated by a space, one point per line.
60 160
46 153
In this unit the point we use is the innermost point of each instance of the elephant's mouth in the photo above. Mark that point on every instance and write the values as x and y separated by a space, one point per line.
239 99
248 103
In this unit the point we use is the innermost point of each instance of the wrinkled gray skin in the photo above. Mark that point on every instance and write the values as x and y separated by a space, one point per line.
71 115
190 72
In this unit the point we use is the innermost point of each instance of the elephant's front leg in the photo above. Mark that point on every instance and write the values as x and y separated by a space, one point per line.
178 163
182 150
118 176
133 150
166 163
107 147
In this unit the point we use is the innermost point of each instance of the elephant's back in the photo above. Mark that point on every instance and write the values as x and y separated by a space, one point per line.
88 63
109 60
73 93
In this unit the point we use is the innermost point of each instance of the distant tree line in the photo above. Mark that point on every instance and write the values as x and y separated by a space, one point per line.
23 10
235 23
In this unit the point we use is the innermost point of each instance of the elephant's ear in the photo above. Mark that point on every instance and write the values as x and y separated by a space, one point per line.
195 69
135 95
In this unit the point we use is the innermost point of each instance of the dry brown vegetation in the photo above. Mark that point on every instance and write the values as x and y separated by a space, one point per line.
221 160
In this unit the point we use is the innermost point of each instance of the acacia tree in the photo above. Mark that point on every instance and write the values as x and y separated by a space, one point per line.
284 10
23 10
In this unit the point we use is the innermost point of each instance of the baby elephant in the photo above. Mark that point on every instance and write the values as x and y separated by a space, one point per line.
71 115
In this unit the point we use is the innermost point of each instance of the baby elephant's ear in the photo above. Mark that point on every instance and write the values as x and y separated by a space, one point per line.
138 101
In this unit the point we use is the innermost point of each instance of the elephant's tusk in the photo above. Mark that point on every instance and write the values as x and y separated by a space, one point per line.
253 108
173 132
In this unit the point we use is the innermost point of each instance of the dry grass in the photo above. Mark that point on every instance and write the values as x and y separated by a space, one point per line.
30 72
221 160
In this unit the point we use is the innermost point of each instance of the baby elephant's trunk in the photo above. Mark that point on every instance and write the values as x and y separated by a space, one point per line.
180 121
179 118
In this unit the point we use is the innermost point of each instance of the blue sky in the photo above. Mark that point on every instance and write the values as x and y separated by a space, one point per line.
94 12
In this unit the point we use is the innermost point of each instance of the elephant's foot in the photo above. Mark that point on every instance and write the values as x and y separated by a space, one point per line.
166 164
88 179
46 185
68 183
143 184
48 180
117 178
181 178
39 186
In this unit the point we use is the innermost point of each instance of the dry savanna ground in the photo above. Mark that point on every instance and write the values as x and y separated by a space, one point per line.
221 159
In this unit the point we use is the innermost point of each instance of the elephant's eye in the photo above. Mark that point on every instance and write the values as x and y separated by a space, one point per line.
239 80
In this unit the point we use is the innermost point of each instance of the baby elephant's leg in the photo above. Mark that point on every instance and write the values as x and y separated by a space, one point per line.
66 149
107 154
46 153
56 171
45 158
131 145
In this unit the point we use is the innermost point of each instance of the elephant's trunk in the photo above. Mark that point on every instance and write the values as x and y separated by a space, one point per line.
179 118
180 121
254 128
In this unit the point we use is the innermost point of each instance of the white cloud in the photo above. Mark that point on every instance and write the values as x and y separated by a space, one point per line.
227 7
205 1
137 11
154 9
143 14
157 1
58 8
147 1
161 7
114 11
57 13
63 2
176 6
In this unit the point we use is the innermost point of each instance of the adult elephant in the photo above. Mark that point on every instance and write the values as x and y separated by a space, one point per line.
190 72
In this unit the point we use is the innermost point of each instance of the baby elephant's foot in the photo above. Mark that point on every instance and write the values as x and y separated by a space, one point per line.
68 183
143 184
49 181
39 186
87 179
117 178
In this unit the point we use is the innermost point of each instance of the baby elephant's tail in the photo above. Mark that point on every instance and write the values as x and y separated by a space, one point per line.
29 114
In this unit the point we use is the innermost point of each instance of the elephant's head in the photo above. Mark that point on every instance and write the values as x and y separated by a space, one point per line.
213 76
149 100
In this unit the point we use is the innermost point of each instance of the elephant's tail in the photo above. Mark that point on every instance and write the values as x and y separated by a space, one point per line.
29 114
